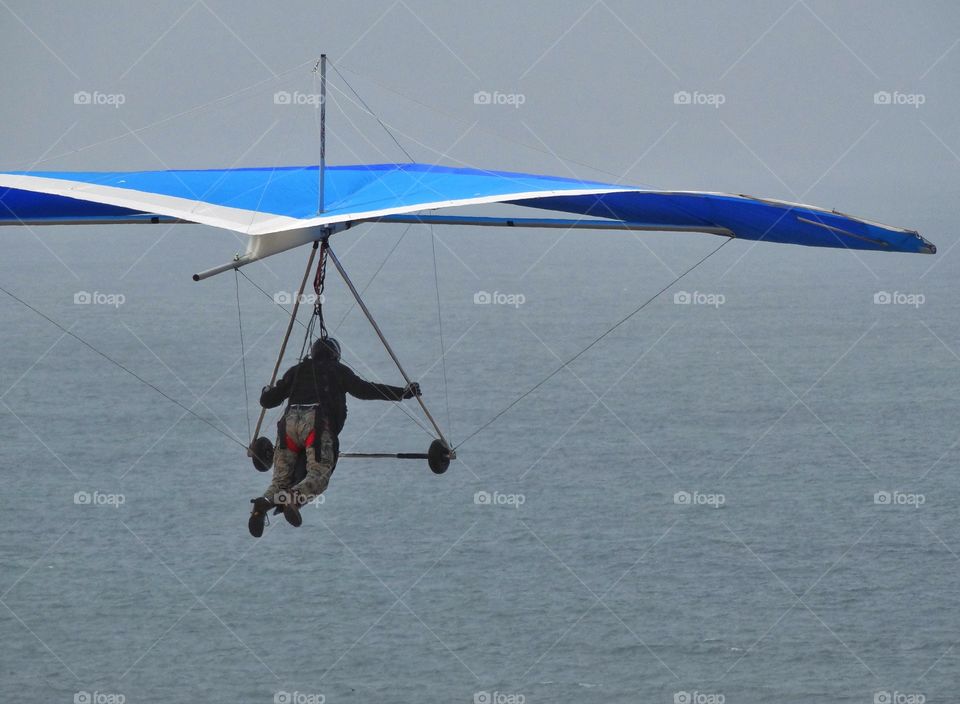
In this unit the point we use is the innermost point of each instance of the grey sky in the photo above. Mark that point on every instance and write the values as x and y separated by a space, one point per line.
797 81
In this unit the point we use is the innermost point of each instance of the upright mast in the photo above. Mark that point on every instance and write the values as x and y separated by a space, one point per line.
323 128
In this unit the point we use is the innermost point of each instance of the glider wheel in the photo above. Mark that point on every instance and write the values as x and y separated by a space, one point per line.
262 454
438 457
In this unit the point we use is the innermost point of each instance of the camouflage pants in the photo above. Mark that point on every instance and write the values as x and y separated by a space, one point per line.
300 422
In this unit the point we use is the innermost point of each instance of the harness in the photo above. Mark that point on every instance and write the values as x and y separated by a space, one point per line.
320 423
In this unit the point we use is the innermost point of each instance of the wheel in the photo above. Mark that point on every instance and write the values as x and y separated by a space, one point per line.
262 450
438 457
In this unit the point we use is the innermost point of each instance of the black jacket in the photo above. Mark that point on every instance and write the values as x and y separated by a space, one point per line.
326 383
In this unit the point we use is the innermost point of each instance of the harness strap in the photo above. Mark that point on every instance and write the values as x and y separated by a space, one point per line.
294 447
319 282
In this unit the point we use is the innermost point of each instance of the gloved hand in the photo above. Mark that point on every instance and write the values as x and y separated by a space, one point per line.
265 389
411 390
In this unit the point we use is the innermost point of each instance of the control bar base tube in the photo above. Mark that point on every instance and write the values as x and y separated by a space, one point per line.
387 455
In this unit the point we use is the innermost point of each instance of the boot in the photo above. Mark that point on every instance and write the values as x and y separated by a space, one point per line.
258 515
290 501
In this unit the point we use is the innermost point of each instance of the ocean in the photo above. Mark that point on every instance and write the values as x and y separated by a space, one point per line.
745 493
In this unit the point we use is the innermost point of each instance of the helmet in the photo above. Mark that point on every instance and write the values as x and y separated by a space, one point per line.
326 348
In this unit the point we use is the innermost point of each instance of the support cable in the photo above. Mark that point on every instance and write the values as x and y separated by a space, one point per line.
269 297
443 349
373 114
375 275
129 371
596 340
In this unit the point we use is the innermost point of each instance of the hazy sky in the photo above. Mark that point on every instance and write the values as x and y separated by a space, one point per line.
782 94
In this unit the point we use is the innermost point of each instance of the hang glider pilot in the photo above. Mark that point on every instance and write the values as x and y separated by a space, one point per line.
315 391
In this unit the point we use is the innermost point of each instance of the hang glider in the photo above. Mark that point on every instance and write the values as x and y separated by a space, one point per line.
283 207
278 207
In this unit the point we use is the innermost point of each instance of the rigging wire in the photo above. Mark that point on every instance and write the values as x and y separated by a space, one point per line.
266 82
272 298
353 304
596 340
243 355
121 366
526 145
372 113
447 157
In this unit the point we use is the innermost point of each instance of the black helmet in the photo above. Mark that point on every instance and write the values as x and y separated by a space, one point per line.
326 348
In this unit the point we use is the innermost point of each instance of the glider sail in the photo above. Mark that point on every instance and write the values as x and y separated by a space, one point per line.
278 206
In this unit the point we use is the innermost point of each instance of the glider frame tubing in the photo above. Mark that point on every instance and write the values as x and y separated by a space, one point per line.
440 452
263 246
560 223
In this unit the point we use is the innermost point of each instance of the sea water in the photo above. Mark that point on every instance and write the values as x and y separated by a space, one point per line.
745 493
